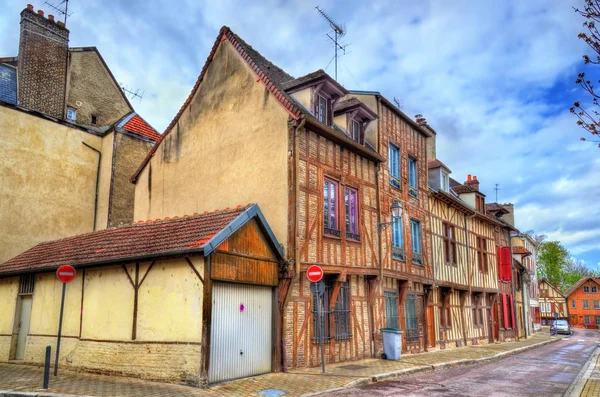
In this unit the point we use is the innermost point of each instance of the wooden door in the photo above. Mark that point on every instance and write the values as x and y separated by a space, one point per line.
495 324
24 318
430 327
490 325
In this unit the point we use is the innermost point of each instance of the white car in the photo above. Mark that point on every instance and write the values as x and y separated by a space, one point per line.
562 327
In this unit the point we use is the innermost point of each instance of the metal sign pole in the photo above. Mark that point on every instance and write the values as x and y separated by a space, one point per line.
62 306
322 323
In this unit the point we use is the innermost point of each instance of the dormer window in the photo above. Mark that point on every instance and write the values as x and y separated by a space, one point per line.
479 203
355 130
445 181
321 109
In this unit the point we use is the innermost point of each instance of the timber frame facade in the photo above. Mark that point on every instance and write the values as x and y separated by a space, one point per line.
552 301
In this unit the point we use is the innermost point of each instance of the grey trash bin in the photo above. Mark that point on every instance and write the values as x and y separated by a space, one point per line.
392 343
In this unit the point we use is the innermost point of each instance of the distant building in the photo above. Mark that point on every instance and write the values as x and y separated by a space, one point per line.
69 140
583 300
552 302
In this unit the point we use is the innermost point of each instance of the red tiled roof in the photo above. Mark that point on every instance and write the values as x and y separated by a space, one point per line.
437 164
520 250
579 284
138 125
125 243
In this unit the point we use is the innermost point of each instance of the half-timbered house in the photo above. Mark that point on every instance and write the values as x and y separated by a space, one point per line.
306 155
552 301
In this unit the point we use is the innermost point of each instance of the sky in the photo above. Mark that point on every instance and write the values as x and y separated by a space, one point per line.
495 79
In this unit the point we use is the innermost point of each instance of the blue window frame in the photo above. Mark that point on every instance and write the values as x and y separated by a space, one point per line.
415 230
412 176
397 239
394 165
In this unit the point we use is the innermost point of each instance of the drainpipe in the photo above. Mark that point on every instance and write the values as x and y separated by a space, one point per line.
525 314
97 182
512 266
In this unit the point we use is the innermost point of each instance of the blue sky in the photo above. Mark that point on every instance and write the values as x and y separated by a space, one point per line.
494 78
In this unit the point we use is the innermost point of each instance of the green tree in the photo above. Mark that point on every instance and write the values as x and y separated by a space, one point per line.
576 270
552 263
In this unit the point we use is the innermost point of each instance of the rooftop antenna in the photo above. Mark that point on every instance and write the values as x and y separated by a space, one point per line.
132 93
399 103
62 8
338 32
497 189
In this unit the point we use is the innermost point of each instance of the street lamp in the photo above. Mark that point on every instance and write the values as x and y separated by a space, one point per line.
396 210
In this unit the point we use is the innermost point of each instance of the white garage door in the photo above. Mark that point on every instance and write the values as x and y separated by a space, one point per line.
241 334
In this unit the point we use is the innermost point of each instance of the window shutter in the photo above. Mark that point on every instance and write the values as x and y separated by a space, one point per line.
512 312
505 263
505 310
552 307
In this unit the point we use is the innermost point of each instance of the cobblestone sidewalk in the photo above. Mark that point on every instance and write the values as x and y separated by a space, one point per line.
22 378
592 384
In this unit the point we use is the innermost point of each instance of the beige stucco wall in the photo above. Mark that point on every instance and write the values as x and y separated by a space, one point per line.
92 91
47 181
229 148
304 97
105 176
9 287
169 310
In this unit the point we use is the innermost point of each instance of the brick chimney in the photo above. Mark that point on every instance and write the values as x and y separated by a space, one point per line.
473 182
43 62
510 217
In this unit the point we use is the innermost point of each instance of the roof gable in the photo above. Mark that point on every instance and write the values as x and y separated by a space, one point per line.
544 280
579 283
195 234
135 124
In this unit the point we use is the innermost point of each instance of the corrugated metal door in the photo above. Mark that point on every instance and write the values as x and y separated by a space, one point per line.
241 334
23 326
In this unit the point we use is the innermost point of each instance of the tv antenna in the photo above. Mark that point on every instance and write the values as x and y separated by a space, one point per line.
61 8
497 189
338 32
132 94
399 103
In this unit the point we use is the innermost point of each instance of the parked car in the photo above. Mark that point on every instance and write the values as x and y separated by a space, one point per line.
562 327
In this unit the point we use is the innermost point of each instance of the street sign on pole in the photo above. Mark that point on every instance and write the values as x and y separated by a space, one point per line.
64 274
555 314
314 273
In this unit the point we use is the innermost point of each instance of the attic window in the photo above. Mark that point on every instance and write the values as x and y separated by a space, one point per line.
71 113
321 109
480 203
355 130
94 119
445 181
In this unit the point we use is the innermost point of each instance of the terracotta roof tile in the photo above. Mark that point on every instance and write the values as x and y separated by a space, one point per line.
520 250
435 163
138 125
138 240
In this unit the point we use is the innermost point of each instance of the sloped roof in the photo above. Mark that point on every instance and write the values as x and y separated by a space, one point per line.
579 283
495 207
198 233
435 163
520 250
273 78
545 280
346 105
137 125
310 78
8 83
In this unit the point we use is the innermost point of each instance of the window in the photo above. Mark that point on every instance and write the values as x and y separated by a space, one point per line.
445 182
94 119
71 114
412 177
596 320
573 303
480 203
505 263
477 311
355 130
415 231
397 239
321 106
449 243
445 310
596 304
548 307
586 320
26 284
352 225
341 314
543 307
482 259
391 309
394 165
586 304
410 311
330 208
586 289
594 290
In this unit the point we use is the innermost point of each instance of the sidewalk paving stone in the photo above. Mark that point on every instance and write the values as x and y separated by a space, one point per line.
297 382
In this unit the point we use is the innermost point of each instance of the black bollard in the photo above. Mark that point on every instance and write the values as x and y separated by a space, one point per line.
47 368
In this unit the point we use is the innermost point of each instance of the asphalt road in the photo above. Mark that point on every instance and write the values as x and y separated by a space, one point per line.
543 371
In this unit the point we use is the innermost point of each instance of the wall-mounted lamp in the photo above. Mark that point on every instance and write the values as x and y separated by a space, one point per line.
396 210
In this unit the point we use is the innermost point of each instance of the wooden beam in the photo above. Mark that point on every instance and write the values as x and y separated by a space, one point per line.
135 302
206 323
194 269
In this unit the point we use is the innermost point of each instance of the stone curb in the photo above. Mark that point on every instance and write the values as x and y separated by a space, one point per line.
434 367
576 387
16 393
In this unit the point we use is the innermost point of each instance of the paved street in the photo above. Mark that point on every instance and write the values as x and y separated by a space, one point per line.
545 371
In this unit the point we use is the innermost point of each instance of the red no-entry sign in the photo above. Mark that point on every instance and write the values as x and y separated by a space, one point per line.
65 273
314 273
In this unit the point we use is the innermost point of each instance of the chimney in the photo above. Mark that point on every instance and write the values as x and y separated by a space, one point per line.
431 141
43 62
510 217
473 182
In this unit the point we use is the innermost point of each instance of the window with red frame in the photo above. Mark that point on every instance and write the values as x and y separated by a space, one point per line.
331 211
352 225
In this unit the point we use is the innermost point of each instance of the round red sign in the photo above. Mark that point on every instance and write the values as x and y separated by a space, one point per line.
65 273
314 273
